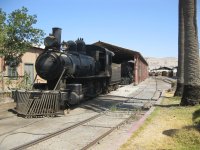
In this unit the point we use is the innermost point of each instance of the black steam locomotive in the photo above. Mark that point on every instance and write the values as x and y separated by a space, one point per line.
78 71
73 70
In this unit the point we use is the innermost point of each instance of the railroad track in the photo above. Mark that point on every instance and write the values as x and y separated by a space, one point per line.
96 140
82 123
21 147
137 95
112 129
52 135
120 124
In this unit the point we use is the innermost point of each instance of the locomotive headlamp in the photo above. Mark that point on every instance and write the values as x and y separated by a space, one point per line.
50 41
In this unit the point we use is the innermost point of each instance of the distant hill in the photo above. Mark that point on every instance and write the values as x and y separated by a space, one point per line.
161 62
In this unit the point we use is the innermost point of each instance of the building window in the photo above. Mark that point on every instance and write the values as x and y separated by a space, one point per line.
12 72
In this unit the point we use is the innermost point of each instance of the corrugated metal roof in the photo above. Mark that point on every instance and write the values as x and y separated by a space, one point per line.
121 54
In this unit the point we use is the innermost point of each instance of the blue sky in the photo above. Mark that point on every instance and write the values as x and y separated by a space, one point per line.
147 26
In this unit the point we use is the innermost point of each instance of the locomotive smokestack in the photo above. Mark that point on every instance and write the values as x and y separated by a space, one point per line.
57 35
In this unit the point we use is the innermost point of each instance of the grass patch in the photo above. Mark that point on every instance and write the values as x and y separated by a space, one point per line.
113 108
170 126
187 138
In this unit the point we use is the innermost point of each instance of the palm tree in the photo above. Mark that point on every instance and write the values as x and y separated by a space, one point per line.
191 93
180 73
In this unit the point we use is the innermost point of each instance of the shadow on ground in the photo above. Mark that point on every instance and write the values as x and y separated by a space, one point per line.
112 103
196 117
172 132
167 106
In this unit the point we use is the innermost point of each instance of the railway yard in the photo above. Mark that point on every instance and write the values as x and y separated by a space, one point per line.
104 122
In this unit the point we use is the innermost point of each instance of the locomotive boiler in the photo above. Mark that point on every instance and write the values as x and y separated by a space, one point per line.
73 70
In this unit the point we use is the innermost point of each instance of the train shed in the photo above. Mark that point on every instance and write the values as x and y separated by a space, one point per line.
124 55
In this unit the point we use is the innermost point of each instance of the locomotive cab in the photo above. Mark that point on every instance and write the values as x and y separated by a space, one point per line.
103 59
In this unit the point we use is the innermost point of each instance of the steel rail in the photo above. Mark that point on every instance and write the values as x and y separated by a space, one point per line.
2 118
107 133
141 91
34 142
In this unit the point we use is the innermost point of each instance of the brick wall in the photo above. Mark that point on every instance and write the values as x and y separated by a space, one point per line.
140 71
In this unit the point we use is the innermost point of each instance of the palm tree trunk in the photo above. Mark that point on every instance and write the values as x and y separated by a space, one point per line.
180 73
191 93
